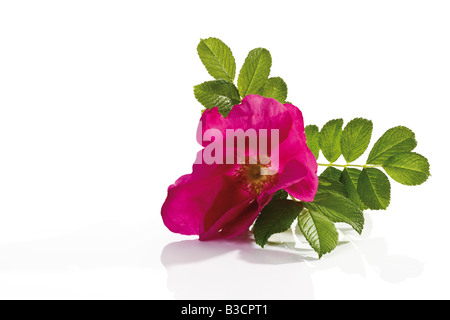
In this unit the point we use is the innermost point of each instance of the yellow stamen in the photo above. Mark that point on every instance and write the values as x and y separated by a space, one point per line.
251 179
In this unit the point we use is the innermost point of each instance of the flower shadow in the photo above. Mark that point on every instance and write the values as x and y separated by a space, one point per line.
227 270
239 269
191 251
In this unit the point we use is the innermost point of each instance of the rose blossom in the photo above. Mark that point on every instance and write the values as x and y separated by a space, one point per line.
223 200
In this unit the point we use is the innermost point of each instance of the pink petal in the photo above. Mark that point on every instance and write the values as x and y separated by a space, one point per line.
229 213
254 112
295 147
190 197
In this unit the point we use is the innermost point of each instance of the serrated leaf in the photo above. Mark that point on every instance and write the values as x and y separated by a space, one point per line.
280 194
312 139
408 168
254 72
319 231
327 185
217 58
331 173
276 217
394 141
356 138
338 208
349 178
217 93
276 88
374 189
329 139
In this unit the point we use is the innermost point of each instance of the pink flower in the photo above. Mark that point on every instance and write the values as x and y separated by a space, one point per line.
223 200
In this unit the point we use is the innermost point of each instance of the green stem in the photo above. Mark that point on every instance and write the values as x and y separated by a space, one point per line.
348 165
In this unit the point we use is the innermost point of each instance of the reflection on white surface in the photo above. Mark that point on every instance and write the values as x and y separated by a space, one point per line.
117 261
239 269
232 270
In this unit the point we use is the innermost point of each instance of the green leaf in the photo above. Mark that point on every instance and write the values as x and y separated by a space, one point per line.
374 189
349 178
217 59
338 208
275 88
217 93
327 185
356 138
392 142
409 168
254 72
319 231
312 139
329 139
280 194
331 173
276 217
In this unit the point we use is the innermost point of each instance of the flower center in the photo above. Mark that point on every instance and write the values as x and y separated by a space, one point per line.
252 179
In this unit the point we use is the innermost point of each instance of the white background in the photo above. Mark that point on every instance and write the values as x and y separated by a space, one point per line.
98 118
